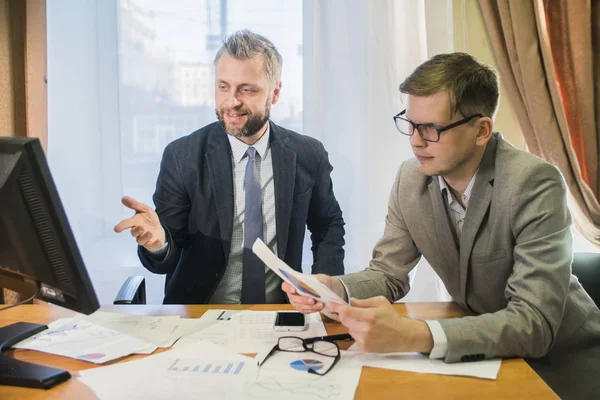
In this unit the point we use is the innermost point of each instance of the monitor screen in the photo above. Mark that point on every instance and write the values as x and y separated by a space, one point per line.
37 245
38 252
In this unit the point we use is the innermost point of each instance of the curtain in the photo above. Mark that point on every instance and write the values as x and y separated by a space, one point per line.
357 53
547 53
23 107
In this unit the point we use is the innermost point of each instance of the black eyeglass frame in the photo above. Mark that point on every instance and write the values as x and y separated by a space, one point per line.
438 128
305 347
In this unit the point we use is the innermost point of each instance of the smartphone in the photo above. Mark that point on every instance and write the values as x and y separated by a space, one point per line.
290 322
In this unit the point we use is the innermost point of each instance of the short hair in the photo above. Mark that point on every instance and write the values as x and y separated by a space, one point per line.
245 44
472 86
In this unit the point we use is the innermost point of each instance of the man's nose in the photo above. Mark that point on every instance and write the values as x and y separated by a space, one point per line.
416 140
233 101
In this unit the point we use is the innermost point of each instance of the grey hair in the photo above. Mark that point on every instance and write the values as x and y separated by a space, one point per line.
245 44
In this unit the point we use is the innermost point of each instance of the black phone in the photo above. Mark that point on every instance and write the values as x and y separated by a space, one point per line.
290 321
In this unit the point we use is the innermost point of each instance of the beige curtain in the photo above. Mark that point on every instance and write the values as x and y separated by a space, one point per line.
23 93
548 59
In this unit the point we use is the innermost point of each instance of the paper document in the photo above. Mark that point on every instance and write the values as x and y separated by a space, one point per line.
417 362
284 376
247 331
154 330
212 326
252 331
306 285
106 336
199 370
83 340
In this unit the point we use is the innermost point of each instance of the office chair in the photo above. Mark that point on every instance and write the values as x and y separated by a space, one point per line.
133 291
586 267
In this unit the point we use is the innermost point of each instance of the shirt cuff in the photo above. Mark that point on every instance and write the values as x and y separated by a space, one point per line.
161 251
440 341
346 289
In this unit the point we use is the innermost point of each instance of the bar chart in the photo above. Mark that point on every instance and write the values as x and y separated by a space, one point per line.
208 368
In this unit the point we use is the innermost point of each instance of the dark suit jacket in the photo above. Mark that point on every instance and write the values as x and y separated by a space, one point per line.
194 201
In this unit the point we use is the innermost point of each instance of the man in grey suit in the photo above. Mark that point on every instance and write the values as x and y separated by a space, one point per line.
494 224
234 181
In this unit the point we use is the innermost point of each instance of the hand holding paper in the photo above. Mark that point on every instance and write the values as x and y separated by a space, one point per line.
305 285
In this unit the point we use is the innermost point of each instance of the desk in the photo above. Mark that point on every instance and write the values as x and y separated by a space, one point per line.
516 379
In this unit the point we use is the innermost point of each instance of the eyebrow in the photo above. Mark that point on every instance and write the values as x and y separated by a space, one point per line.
240 85
422 123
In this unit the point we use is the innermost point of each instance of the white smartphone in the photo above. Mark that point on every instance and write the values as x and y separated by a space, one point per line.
290 322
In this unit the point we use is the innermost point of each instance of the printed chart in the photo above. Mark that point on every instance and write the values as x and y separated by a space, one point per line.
211 368
305 365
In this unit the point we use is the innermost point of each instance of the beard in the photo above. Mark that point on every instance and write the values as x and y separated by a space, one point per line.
251 126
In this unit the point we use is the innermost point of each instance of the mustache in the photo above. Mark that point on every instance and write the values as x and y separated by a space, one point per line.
240 110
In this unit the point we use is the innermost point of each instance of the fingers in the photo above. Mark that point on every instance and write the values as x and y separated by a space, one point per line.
331 315
353 317
137 231
131 222
142 225
125 224
144 238
306 305
337 307
138 206
286 287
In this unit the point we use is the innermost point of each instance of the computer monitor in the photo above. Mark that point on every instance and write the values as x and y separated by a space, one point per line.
38 253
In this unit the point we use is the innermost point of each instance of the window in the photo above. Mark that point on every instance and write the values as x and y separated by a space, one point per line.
179 41
139 74
124 86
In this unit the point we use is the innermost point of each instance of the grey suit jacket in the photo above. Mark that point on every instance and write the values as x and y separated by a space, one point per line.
511 268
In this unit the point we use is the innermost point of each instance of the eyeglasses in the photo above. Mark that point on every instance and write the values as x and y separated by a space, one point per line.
428 132
323 345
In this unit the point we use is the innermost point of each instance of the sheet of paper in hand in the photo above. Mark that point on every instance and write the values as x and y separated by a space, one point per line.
306 285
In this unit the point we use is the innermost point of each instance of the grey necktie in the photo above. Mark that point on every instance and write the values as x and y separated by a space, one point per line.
253 275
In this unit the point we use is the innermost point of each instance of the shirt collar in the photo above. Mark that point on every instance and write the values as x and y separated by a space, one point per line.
239 148
466 195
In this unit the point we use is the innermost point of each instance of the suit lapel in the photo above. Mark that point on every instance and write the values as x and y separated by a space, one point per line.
443 230
218 159
284 176
477 209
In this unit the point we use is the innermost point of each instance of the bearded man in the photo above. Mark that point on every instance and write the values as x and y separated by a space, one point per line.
233 181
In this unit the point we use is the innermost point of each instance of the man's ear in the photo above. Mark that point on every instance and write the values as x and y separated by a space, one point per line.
276 93
484 130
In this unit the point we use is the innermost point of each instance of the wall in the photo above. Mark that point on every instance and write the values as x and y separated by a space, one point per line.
12 95
23 107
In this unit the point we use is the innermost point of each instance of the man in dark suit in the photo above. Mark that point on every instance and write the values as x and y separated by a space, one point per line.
234 181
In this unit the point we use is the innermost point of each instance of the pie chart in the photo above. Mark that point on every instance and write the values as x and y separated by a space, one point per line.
304 365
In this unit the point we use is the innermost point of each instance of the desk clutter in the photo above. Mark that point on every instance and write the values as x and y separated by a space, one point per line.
206 354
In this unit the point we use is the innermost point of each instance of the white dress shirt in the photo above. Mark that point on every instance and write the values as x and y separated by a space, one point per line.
457 213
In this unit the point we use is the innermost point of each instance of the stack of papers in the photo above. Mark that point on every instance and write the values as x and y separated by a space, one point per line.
104 336
246 331
201 370
206 370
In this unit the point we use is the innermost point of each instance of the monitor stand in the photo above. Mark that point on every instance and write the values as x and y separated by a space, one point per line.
20 373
